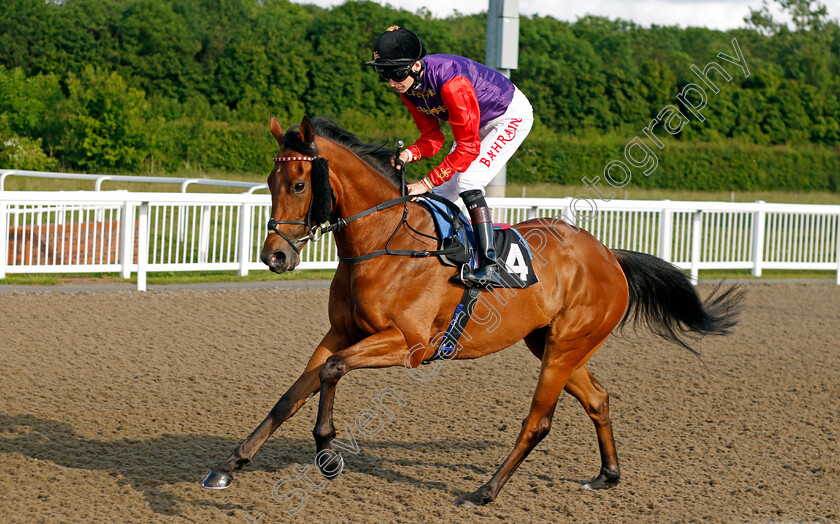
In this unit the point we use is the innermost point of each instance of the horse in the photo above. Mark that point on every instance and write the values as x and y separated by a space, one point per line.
382 307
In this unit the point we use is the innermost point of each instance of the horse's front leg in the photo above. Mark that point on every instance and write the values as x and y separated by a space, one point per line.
384 349
304 387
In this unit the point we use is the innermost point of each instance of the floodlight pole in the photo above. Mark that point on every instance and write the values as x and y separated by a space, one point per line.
502 54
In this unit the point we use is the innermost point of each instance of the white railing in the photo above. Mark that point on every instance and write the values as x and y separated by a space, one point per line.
125 232
99 179
705 235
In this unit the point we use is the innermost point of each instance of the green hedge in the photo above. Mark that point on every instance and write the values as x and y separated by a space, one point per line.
727 165
211 145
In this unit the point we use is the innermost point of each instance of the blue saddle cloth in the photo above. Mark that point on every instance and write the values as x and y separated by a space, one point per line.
444 222
511 247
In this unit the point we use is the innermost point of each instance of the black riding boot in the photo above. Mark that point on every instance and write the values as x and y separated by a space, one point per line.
487 273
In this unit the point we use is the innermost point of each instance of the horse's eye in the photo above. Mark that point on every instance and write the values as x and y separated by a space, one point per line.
299 187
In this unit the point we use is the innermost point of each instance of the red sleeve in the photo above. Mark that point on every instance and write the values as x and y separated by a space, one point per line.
431 137
464 118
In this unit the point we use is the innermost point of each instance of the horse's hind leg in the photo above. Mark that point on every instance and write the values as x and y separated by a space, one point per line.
595 400
555 371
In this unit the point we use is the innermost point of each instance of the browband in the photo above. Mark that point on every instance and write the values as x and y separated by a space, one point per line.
292 158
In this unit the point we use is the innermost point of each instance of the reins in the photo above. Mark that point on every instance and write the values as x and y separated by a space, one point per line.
404 220
317 231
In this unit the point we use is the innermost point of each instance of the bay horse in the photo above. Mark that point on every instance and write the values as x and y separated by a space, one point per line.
382 307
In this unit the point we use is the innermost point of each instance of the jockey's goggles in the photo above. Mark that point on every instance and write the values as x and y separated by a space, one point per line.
397 74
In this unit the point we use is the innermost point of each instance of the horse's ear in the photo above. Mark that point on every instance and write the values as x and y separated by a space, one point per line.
306 132
277 131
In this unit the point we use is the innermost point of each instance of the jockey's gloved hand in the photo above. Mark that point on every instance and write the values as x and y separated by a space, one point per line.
417 188
405 157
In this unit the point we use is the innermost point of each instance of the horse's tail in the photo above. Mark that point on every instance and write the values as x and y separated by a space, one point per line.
662 297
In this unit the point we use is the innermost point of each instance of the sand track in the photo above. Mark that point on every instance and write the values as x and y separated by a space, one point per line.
114 405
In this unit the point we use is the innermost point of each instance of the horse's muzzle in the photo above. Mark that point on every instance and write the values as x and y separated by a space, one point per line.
280 261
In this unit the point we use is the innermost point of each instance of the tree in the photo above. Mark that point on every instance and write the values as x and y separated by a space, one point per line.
104 122
157 48
26 105
761 20
807 15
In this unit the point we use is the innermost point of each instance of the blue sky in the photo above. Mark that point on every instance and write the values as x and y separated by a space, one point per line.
715 14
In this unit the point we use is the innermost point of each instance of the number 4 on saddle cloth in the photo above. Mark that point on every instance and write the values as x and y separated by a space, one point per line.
513 257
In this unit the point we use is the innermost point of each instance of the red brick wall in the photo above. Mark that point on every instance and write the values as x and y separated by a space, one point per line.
43 245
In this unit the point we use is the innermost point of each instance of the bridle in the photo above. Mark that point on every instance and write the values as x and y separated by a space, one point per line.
316 231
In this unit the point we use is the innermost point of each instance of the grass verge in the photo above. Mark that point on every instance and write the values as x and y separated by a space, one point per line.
635 193
767 274
200 277
166 278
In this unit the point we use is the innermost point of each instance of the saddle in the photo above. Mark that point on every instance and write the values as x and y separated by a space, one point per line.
457 243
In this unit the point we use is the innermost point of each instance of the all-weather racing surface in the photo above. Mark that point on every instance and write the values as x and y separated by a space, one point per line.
114 404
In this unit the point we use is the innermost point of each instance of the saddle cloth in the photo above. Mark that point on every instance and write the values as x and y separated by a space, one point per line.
513 254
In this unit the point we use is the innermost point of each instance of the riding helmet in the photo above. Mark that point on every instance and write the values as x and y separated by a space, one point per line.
397 47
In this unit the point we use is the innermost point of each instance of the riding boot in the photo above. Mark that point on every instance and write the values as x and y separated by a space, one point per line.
487 273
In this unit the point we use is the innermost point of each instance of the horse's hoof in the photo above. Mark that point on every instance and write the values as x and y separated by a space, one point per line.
602 481
479 497
216 481
331 469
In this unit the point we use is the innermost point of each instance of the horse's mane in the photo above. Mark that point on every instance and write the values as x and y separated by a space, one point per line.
376 156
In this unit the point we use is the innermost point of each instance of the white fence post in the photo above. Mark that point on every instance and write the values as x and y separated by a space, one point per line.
533 212
759 221
4 240
142 246
696 233
4 174
204 235
97 186
245 235
666 234
127 239
837 235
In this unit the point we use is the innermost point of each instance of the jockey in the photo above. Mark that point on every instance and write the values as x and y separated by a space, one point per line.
488 115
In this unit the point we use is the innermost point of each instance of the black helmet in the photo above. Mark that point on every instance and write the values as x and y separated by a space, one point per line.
397 47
